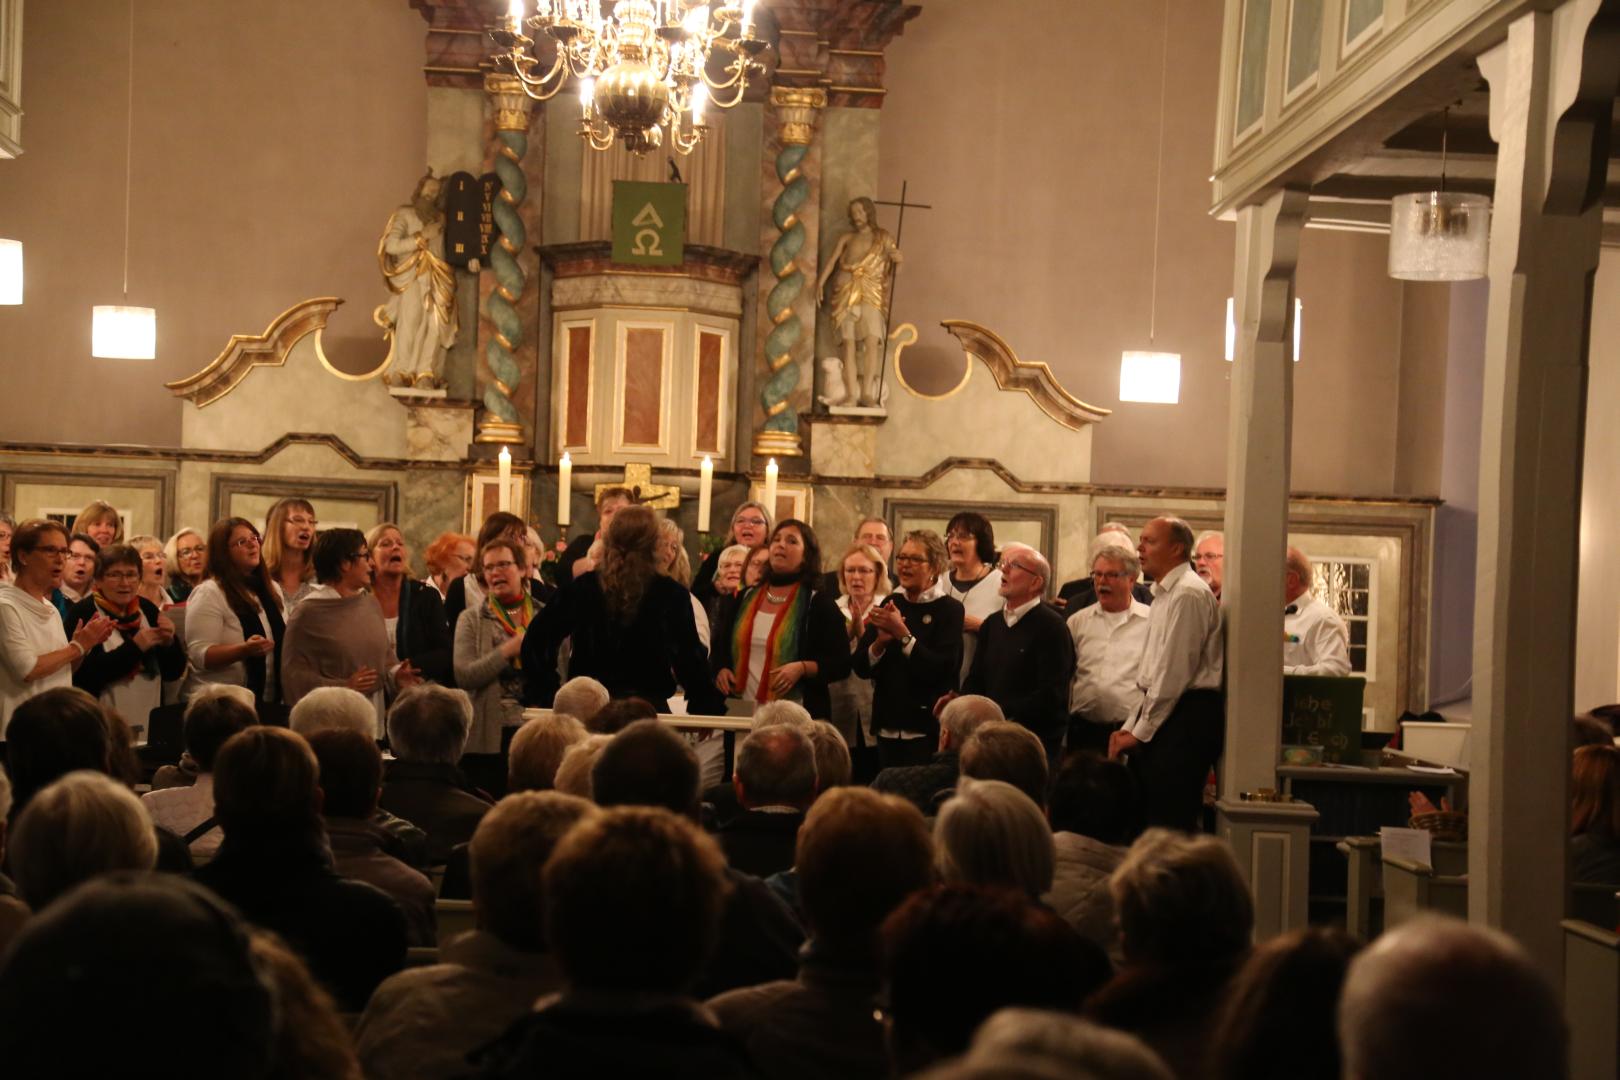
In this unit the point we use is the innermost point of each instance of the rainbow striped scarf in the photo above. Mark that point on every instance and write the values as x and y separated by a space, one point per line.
513 619
781 646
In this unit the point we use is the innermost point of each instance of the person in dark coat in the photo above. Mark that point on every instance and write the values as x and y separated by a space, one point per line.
775 781
274 866
427 730
925 785
126 672
633 630
787 639
419 632
912 652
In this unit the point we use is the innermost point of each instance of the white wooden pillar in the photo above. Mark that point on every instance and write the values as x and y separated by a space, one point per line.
1271 841
1552 86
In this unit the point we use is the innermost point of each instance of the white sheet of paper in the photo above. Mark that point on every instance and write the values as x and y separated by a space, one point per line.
1412 845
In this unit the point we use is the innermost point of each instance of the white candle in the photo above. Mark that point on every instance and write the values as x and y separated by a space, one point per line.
705 492
506 479
565 485
770 489
514 11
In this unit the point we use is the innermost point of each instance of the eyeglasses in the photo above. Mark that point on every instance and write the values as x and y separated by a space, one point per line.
863 571
909 559
1004 566
189 551
506 565
51 550
301 520
1214 557
1110 575
360 555
121 575
245 542
759 521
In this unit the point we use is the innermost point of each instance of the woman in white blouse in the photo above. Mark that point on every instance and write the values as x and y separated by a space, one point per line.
35 652
234 619
970 544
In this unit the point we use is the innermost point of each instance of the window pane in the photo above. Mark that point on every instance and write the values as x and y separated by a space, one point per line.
1256 44
1358 633
1304 41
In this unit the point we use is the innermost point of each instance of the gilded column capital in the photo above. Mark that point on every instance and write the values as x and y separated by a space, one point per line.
510 102
798 107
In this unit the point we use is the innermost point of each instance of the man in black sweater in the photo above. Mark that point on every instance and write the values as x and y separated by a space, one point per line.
1025 657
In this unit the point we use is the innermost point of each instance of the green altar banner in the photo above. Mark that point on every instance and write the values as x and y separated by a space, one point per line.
649 223
1319 710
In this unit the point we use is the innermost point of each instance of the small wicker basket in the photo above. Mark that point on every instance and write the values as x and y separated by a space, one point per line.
1444 824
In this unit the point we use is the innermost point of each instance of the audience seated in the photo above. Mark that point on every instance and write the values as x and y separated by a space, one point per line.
574 771
775 782
50 735
619 714
834 767
990 833
648 764
581 697
1594 847
1185 921
1033 1044
422 1022
333 707
925 784
1279 1018
273 865
955 954
427 730
83 825
312 1041
351 775
633 901
214 713
1003 750
537 750
780 712
1096 812
13 912
860 854
1439 997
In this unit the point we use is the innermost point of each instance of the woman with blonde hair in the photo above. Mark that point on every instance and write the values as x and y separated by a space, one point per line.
101 522
674 563
154 570
412 610
7 527
289 544
187 555
633 629
750 527
863 581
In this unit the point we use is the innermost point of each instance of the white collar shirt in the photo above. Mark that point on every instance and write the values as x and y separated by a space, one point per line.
1108 653
1013 614
1183 650
1315 639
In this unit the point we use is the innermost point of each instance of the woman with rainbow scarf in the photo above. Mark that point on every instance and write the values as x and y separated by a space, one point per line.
788 638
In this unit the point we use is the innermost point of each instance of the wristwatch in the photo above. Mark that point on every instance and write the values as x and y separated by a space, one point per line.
905 642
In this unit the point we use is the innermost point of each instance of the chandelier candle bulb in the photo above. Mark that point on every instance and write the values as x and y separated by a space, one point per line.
705 492
514 11
700 97
565 487
771 472
506 479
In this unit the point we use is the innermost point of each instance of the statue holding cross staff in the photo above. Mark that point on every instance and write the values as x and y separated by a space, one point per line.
860 267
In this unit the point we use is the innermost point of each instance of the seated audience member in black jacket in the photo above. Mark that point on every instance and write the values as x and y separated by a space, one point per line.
420 633
274 866
775 781
633 630
126 672
1025 657
427 730
912 652
924 785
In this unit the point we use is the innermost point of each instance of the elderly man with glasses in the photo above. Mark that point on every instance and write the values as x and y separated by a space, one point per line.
1025 656
1109 637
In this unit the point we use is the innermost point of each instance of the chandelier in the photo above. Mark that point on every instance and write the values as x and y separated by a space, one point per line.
641 69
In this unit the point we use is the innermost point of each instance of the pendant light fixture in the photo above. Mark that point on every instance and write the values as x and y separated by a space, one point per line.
11 272
122 331
1147 375
1439 235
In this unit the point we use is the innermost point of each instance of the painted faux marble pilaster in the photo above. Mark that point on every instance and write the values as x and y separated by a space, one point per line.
454 144
430 502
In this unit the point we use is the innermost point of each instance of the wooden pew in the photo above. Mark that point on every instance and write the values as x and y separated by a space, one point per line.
1592 998
1411 889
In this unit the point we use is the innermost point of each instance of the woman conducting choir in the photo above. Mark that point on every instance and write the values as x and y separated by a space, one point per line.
412 610
489 641
126 672
235 619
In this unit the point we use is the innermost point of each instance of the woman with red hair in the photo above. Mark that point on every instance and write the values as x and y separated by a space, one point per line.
1594 820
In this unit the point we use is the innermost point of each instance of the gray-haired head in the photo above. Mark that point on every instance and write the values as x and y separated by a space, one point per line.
963 715
334 707
581 697
429 723
780 712
990 833
776 766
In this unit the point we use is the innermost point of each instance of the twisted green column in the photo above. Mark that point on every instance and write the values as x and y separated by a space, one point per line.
501 423
779 436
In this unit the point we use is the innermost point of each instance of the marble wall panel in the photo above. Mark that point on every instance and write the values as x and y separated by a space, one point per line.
710 396
643 387
840 449
579 385
438 432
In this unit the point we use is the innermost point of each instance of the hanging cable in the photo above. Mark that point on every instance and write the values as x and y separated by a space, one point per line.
1158 177
129 141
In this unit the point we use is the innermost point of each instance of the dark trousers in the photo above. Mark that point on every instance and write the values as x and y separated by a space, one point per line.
1088 735
899 753
1051 736
1175 764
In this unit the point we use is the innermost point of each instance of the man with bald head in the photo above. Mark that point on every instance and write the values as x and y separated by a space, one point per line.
1315 639
1025 656
1176 732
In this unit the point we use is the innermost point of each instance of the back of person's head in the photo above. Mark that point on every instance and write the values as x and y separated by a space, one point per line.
1093 796
581 697
185 952
328 707
215 713
779 712
537 749
1010 752
5 807
82 825
1034 1044
859 855
508 851
633 899
954 954
351 771
1595 791
1182 903
429 724
1593 731
267 781
776 766
1279 1020
574 771
312 1040
834 768
990 833
52 734
648 764
964 715
1441 997
619 714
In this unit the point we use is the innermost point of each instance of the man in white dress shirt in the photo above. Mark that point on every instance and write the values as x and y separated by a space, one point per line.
1109 637
1176 733
1315 639
1209 559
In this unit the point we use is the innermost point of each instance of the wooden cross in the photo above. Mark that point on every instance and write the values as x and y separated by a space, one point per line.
638 478
899 228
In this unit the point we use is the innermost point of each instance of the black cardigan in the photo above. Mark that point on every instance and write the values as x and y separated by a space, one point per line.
1025 669
904 688
826 644
422 634
102 668
643 658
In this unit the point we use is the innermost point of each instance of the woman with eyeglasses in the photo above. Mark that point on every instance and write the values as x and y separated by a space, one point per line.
911 650
337 636
974 581
7 527
126 672
235 619
751 527
863 580
412 610
36 653
289 538
449 557
787 640
466 592
187 553
489 641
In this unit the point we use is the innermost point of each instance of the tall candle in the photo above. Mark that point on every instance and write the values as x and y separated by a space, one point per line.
770 488
506 479
705 492
565 487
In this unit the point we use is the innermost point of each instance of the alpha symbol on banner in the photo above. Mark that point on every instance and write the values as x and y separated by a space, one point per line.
647 223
